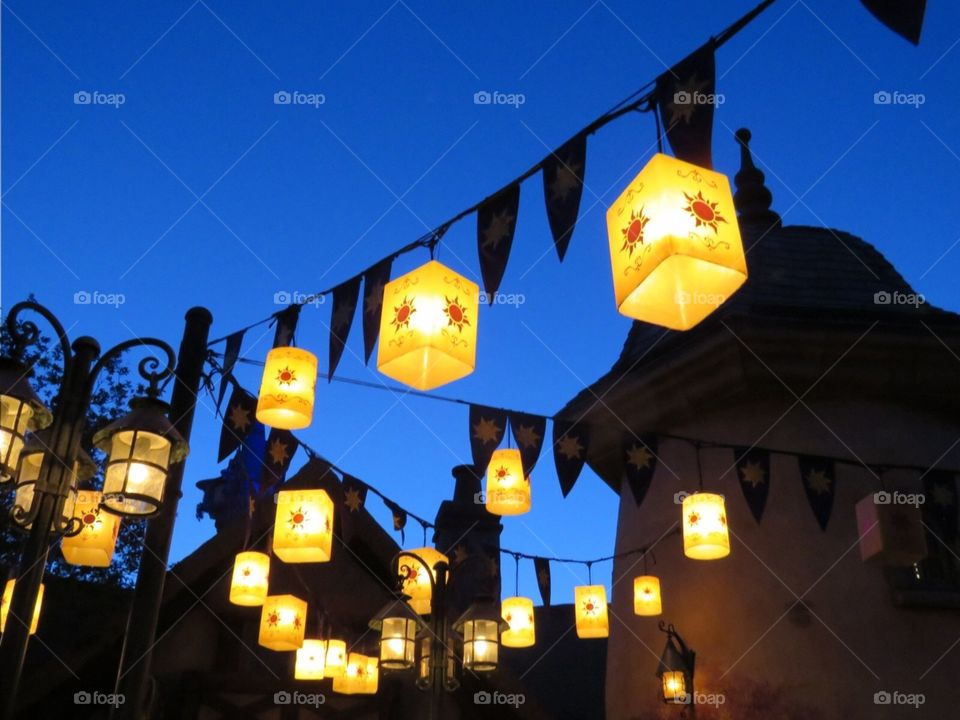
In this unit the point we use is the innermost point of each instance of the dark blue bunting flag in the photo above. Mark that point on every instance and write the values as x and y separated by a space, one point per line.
542 567
562 188
528 431
686 95
819 482
286 321
570 443
344 307
399 517
354 493
374 280
281 447
238 421
753 472
904 17
496 221
640 461
487 425
230 355
940 506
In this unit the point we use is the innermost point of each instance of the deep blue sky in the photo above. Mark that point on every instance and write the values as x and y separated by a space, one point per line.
99 198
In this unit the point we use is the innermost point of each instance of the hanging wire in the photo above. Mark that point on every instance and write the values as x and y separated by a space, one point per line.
516 578
699 466
590 572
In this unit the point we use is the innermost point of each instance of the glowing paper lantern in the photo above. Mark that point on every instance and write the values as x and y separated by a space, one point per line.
361 676
5 606
287 388
508 489
417 579
282 622
311 660
94 544
646 595
705 534
591 611
336 661
675 244
428 327
518 614
251 574
304 526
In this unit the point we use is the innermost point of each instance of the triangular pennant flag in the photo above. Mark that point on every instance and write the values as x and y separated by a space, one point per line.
562 187
344 307
904 17
286 326
940 507
569 452
399 517
528 431
819 482
753 472
640 461
686 94
354 493
542 568
281 447
374 280
238 421
496 221
486 431
230 355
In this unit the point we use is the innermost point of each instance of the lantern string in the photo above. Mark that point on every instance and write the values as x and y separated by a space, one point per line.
699 466
516 576
589 572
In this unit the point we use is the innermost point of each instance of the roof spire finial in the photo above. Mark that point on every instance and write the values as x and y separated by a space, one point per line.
752 198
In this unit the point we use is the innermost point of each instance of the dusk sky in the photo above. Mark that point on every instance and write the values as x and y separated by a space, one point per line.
185 184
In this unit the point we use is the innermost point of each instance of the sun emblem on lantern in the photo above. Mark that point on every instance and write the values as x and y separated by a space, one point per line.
402 313
633 232
704 211
694 518
297 518
273 619
456 313
590 606
502 473
286 376
91 518
297 622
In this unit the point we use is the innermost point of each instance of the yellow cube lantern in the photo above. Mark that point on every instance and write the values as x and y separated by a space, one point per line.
675 244
361 676
417 579
5 606
94 544
251 575
646 596
591 611
311 660
428 327
282 622
304 526
335 663
705 534
508 489
287 388
518 613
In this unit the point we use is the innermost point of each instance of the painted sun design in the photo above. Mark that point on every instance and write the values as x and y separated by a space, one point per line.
297 518
501 473
402 313
693 518
91 519
456 313
633 232
590 607
286 377
297 622
273 619
704 211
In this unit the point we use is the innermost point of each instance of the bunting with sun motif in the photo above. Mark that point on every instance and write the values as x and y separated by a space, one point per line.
528 432
375 279
685 96
345 298
231 353
904 17
819 482
399 518
753 471
563 173
281 447
570 442
940 507
640 461
542 568
238 420
487 426
496 222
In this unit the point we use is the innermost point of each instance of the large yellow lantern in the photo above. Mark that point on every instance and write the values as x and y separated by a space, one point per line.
5 606
282 622
508 488
518 614
251 575
311 660
675 244
705 534
428 327
304 526
94 544
591 611
20 411
287 388
417 578
335 663
646 596
361 676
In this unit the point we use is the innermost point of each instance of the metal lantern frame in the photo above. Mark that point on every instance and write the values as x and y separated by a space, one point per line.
676 658
486 611
30 414
404 625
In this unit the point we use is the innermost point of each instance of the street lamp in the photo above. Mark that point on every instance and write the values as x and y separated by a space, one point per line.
398 625
481 625
676 669
20 411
